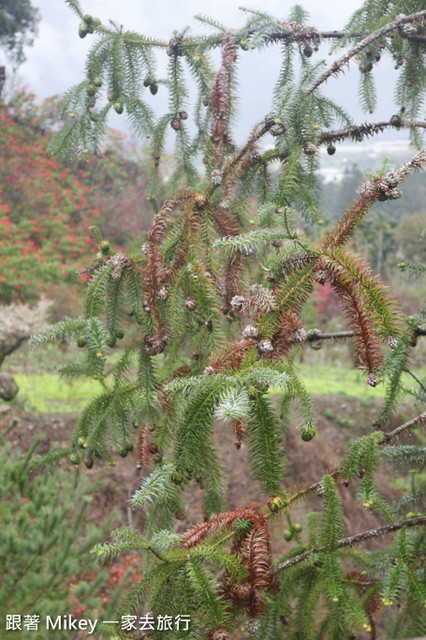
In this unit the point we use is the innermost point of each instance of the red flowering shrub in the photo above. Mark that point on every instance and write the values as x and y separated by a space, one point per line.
43 218
327 304
46 207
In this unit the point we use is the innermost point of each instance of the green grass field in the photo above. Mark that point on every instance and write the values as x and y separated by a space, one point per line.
325 380
48 393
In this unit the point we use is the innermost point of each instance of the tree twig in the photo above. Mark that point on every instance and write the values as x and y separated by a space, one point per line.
403 427
314 336
351 540
336 67
368 129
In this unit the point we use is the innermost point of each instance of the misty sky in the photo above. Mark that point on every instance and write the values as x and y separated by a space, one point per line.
56 61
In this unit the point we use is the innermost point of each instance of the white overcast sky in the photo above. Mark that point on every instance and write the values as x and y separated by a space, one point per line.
56 61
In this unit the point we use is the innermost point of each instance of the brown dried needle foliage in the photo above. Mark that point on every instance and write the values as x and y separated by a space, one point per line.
220 97
349 268
283 339
230 356
382 188
142 447
252 547
368 355
225 224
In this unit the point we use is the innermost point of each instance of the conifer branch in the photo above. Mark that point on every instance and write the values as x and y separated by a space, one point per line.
289 34
351 540
415 422
315 336
381 188
369 129
368 355
198 532
336 67
301 34
386 437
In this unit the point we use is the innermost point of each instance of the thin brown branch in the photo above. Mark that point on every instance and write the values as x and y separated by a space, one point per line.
306 33
301 36
337 65
351 540
314 336
288 34
311 33
368 129
403 427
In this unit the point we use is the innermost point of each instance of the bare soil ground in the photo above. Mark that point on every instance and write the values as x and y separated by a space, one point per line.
307 462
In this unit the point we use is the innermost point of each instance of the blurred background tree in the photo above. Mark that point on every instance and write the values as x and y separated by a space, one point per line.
18 26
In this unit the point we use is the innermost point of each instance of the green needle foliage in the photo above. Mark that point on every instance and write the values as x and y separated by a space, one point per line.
45 562
210 312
